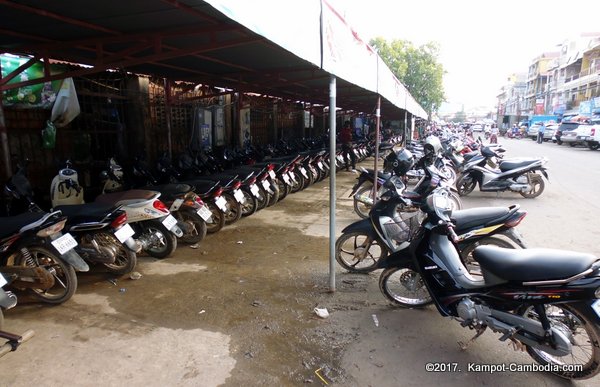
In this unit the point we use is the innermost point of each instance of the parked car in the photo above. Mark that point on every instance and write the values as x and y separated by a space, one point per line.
593 139
532 131
549 132
576 134
477 128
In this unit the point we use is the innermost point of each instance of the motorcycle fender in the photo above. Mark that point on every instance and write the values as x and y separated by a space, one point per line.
402 258
73 259
363 226
543 170
359 183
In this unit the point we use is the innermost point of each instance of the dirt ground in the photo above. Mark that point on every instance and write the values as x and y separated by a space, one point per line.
239 310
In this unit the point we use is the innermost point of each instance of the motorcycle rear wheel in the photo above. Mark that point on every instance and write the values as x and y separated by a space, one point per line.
234 212
195 223
465 185
537 186
466 252
167 242
579 322
358 252
250 206
125 259
218 218
64 275
404 287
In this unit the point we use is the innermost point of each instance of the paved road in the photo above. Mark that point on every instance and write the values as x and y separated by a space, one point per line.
567 214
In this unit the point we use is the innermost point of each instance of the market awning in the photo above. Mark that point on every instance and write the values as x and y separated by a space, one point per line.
283 49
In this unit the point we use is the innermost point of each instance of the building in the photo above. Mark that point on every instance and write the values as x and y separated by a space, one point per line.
510 100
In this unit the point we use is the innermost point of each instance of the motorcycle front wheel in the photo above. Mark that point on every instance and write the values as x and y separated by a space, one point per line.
163 243
580 323
65 280
358 252
362 209
404 287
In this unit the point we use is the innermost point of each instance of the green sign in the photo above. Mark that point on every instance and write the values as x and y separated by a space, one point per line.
41 95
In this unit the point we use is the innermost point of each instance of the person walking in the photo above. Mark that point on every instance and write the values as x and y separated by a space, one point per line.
347 147
541 130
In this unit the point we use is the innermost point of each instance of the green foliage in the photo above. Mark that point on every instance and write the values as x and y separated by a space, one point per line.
417 68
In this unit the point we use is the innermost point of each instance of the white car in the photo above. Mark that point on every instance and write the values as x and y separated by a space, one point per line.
477 128
593 139
577 136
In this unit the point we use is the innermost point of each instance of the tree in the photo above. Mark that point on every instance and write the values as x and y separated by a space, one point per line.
417 68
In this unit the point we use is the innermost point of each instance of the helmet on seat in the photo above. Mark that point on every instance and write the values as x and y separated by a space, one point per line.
399 162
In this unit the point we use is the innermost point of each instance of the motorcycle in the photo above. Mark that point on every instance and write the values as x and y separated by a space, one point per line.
393 220
544 301
153 225
101 232
7 301
518 175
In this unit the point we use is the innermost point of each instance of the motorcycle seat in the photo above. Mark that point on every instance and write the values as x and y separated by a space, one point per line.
10 225
479 217
204 188
508 165
128 197
532 264
88 212
172 191
470 155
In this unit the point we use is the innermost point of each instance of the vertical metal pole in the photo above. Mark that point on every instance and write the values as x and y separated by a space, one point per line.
168 115
4 141
332 171
406 131
377 120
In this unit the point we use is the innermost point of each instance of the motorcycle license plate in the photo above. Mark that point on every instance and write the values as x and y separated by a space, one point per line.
303 171
169 222
266 185
2 281
239 196
176 204
204 213
254 190
596 307
286 178
221 203
64 243
124 233
320 165
272 174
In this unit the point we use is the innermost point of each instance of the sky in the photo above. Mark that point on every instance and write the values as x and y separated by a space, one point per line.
481 42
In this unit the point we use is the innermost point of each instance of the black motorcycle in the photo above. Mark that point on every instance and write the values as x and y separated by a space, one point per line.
544 301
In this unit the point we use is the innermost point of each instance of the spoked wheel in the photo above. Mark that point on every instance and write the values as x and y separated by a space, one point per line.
358 253
580 324
274 197
363 201
263 197
195 225
284 189
217 219
537 186
466 252
234 208
65 280
250 205
162 242
465 184
404 287
125 259
297 182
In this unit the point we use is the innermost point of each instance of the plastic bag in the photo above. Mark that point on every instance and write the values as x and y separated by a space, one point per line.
49 136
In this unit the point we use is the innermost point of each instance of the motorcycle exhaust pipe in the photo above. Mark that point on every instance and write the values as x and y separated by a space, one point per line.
133 245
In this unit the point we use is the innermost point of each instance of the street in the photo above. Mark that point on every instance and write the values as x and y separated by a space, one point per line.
239 310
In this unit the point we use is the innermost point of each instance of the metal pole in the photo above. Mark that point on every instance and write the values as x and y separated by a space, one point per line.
4 141
332 171
168 115
377 120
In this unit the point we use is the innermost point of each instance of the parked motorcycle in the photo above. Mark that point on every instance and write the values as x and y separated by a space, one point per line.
544 301
155 228
519 175
394 220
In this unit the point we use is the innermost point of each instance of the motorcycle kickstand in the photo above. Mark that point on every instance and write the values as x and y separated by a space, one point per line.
463 346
